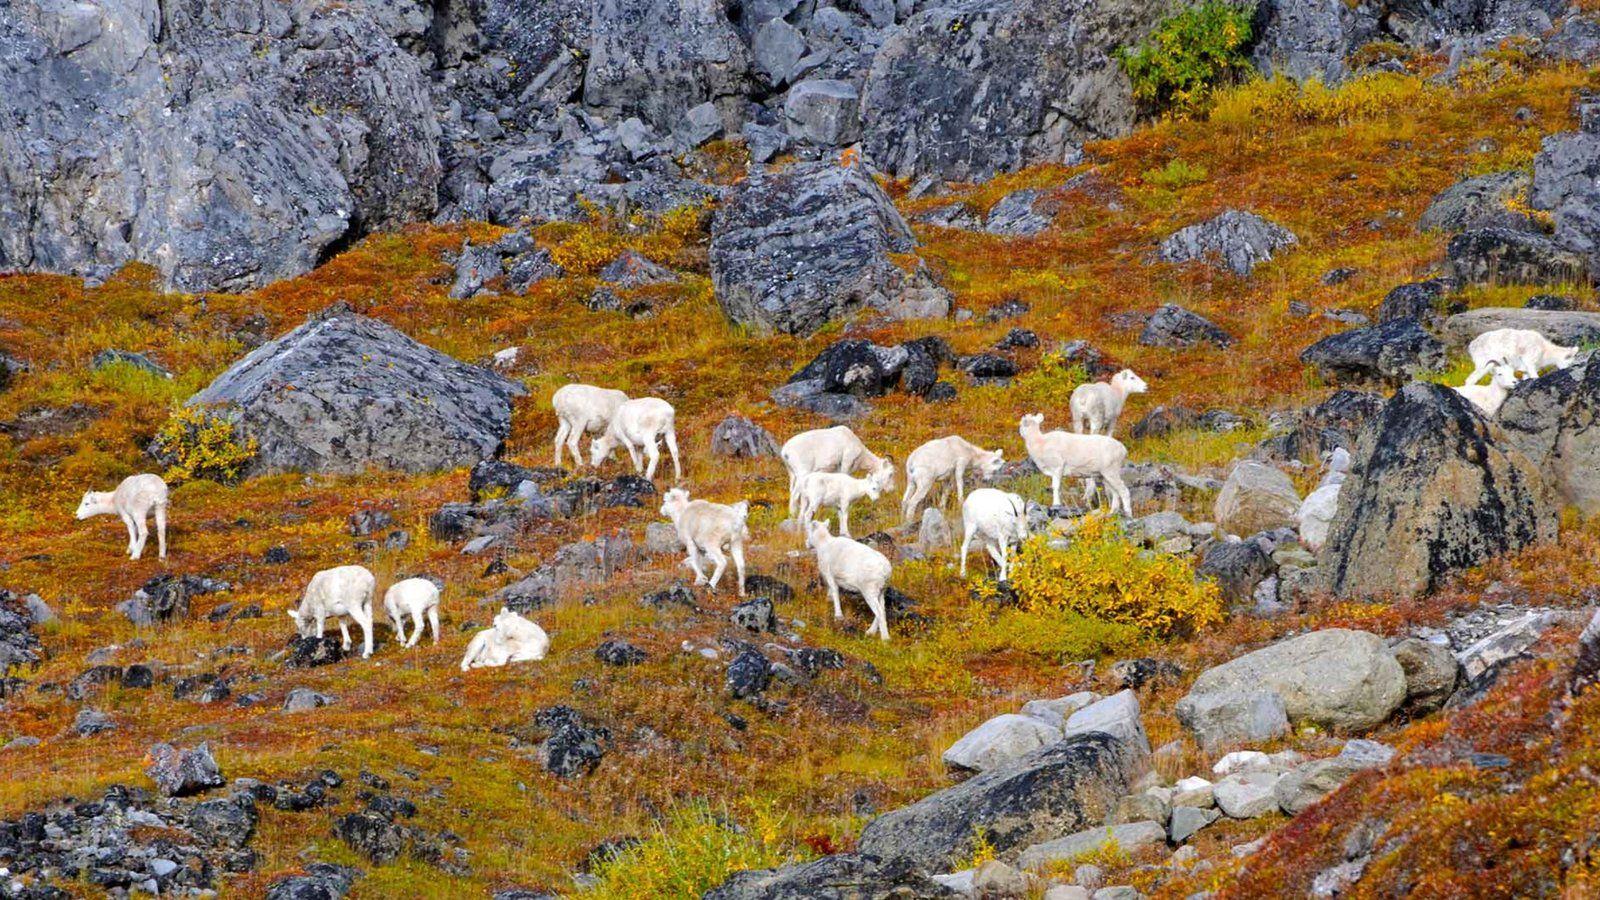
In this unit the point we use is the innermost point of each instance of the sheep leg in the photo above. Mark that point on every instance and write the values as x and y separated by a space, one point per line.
719 564
833 594
653 453
844 518
344 632
433 620
633 453
1005 567
966 544
1119 491
127 522
572 445
736 549
880 613
1077 421
671 437
320 621
562 430
397 619
694 562
794 490
1055 488
365 621
961 488
161 531
1088 491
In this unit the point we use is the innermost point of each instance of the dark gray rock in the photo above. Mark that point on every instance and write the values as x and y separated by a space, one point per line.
1431 491
1236 240
755 615
1177 328
1502 255
658 59
748 674
498 477
528 269
619 653
1333 423
575 745
1586 667
631 270
90 722
344 392
1431 674
700 125
1018 214
302 699
373 836
809 395
1564 183
123 357
1391 353
225 821
1418 300
475 266
845 876
796 249
1236 566
823 111
179 773
311 652
1551 303
854 366
19 646
1478 202
777 48
739 437
1553 420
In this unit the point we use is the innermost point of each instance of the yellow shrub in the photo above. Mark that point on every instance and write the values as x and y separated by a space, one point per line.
1104 576
694 851
1369 96
196 444
586 250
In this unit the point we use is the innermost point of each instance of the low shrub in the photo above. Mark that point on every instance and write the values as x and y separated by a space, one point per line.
693 851
1189 54
197 444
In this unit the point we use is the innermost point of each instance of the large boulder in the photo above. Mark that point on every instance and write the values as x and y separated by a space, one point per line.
1236 240
343 392
1555 421
1478 202
1229 718
1500 255
999 741
1335 678
977 87
1390 353
1060 789
1256 497
843 876
659 59
1565 327
226 144
796 249
1433 490
1564 183
1177 328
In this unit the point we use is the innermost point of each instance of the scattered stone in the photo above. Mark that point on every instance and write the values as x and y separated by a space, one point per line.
748 674
1128 838
619 653
1229 718
1256 497
739 437
1479 202
303 699
575 746
310 652
91 722
1234 239
755 615
1336 678
1187 821
1177 328
1431 674
178 772
1247 795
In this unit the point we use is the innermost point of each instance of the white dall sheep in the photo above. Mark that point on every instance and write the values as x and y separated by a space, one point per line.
511 639
846 563
1060 454
1523 350
998 519
839 490
133 500
706 527
641 424
835 449
343 593
1488 397
582 409
947 457
1096 406
417 598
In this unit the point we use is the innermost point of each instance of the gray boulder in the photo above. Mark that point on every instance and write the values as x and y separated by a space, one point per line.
1228 718
843 876
1256 497
1553 420
1116 715
824 111
967 90
738 437
796 249
778 48
343 392
1335 678
658 59
1018 214
178 772
1565 327
1431 674
1390 353
1499 255
1307 784
1432 490
1478 202
1001 740
1128 837
1564 183
1418 300
1177 328
1247 795
1187 821
1236 240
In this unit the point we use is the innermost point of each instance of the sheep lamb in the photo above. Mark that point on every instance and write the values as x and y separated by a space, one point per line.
1489 397
945 458
852 565
343 593
511 639
1522 349
835 449
706 527
1096 406
133 501
582 409
998 520
641 424
417 598
1059 454
839 490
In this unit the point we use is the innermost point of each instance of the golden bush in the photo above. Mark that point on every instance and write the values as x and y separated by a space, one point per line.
196 444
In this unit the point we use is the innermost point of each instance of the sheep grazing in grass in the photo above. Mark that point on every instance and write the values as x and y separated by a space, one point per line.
1523 350
947 457
835 449
1060 454
850 564
641 424
343 593
417 598
1488 397
836 489
1096 406
998 520
134 499
582 409
511 639
706 527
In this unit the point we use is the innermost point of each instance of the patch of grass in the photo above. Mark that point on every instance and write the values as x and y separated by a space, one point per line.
694 850
1177 173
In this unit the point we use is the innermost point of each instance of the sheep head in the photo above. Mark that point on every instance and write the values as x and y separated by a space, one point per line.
1129 383
1565 356
94 503
1030 422
990 463
818 535
673 502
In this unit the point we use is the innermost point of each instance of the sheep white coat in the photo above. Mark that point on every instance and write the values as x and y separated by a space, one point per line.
839 490
1489 397
706 527
1096 406
511 639
133 501
343 593
941 458
835 449
846 563
1524 350
582 409
641 424
1058 454
998 520
417 598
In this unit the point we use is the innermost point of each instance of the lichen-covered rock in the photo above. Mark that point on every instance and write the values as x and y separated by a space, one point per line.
1018 214
738 437
179 773
1432 490
1174 327
658 59
1565 327
1000 740
842 876
795 249
1389 353
1335 678
1237 240
1256 497
1555 421
1230 718
1499 255
1431 674
1416 300
824 111
343 392
1478 202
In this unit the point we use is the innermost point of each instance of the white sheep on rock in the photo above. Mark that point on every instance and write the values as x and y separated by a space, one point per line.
343 593
511 639
583 409
706 527
1059 454
133 501
641 425
998 520
1489 397
839 490
945 458
852 565
835 449
417 598
1096 406
1315 515
1522 349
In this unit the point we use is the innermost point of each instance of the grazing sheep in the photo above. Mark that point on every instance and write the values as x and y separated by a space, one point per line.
837 489
943 458
1523 350
998 519
706 527
1488 397
1058 454
642 423
1095 407
835 449
342 593
846 563
134 499
414 597
581 409
511 639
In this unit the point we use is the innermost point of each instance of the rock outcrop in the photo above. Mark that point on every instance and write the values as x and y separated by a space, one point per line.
1565 327
1335 678
1555 421
1390 353
1233 239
